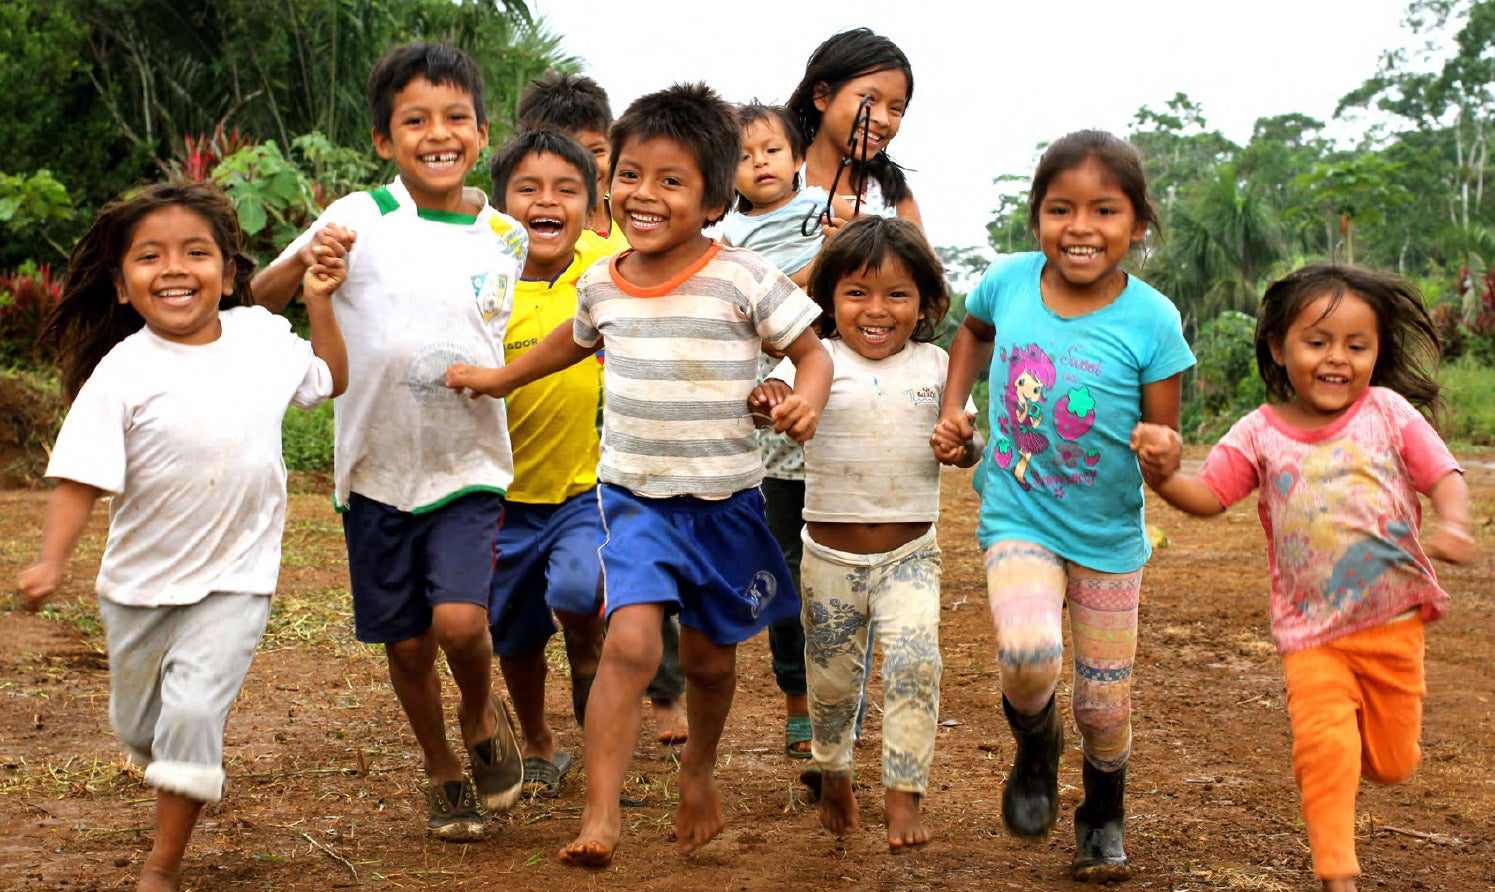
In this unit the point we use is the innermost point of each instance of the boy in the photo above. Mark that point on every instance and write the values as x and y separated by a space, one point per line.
577 106
546 558
682 319
420 476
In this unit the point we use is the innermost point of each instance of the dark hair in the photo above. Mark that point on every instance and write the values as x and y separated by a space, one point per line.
1409 349
540 142
1116 155
868 243
437 63
842 58
696 118
88 319
750 113
564 101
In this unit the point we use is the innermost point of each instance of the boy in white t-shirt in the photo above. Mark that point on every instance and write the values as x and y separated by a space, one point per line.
420 472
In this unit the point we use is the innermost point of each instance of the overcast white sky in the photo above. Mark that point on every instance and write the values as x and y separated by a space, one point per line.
993 79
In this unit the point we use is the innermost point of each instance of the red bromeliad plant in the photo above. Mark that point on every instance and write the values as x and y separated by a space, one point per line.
199 155
27 294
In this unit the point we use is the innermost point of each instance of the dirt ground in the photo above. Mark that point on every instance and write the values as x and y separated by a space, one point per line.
323 789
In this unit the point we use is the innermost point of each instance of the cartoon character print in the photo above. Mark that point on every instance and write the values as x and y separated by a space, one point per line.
1332 493
1031 376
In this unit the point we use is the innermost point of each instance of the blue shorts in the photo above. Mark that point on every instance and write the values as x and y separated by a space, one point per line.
400 564
715 562
547 560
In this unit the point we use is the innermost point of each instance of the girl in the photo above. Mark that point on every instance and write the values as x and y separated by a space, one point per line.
849 106
1339 458
871 498
771 206
177 387
1087 351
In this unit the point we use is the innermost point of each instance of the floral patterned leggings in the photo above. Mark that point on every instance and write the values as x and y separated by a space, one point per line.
1029 587
899 592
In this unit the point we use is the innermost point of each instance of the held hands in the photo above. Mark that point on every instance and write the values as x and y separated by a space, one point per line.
954 440
1159 451
328 248
39 582
774 402
478 381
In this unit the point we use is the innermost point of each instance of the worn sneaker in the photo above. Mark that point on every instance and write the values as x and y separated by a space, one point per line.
497 766
454 812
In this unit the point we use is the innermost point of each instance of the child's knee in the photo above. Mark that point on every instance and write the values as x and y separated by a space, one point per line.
1029 677
911 670
459 631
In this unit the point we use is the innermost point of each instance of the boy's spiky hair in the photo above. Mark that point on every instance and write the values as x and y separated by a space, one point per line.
695 117
564 101
437 63
540 142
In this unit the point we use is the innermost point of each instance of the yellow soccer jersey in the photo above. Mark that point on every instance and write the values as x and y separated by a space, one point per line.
553 421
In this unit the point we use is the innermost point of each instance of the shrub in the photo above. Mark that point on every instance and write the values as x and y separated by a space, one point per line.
26 296
1225 383
306 439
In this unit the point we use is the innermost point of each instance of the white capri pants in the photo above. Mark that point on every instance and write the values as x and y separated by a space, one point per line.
174 672
898 592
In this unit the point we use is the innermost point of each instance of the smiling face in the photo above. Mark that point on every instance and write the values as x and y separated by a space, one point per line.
1329 359
1086 225
434 139
657 195
548 195
877 310
765 175
173 274
888 91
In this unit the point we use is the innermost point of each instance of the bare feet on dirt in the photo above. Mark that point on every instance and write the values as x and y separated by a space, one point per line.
838 804
154 878
669 722
906 828
698 818
595 844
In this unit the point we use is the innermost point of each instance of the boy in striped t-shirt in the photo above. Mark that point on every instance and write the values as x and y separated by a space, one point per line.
682 318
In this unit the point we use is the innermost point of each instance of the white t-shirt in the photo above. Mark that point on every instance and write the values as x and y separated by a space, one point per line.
187 439
870 460
425 289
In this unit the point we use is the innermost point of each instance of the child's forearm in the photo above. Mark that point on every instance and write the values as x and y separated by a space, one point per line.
1450 499
970 352
327 342
812 377
1188 494
68 510
556 351
275 285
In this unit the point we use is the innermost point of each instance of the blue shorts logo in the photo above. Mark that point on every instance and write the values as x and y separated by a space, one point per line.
761 591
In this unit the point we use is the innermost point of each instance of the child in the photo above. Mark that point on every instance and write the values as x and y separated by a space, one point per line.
680 468
771 206
872 494
849 106
420 473
1339 458
577 106
546 558
153 326
1086 352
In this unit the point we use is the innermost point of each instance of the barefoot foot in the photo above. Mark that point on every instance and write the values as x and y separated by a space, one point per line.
594 845
906 828
670 726
698 818
154 878
1342 884
838 803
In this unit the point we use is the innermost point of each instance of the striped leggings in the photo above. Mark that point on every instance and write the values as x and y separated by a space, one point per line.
1029 586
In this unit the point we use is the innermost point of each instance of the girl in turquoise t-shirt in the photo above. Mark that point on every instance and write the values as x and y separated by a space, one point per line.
1079 352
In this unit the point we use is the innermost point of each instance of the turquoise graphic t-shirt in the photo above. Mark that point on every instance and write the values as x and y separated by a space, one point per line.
1065 394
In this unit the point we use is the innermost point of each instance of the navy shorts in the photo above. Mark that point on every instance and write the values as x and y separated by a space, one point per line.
547 560
400 564
715 562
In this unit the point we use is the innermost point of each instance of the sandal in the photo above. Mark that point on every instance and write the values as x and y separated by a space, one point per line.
796 732
542 777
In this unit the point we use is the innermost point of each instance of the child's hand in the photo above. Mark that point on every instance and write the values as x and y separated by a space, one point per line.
763 399
323 279
950 448
39 582
331 244
796 417
1159 451
1452 542
477 381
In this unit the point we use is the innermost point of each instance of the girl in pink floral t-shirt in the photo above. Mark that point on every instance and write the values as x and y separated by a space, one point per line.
1339 459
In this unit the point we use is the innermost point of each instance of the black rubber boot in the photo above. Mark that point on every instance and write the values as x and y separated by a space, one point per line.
1099 856
1030 799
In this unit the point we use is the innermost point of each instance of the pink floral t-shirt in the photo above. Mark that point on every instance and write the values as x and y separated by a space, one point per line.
1340 509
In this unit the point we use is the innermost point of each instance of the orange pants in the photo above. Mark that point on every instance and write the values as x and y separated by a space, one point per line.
1356 709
